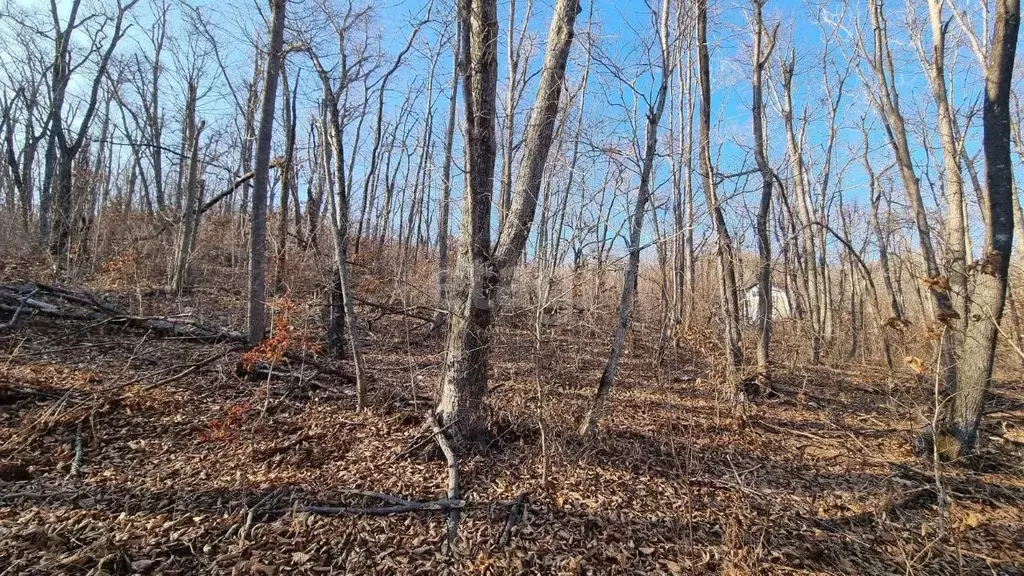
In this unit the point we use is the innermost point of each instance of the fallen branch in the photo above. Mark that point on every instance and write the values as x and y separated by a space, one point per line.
780 430
17 312
420 441
250 515
453 475
187 369
280 449
81 305
237 184
388 311
191 368
515 514
450 506
302 358
76 463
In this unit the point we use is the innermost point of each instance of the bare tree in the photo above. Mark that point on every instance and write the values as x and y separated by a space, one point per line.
261 181
463 392
65 144
653 115
726 259
761 56
896 319
375 151
440 318
976 359
288 174
886 100
517 70
335 85
189 214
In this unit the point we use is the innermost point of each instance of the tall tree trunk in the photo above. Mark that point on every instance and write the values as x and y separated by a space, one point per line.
189 214
441 317
261 181
590 420
895 320
954 251
887 101
288 105
986 306
339 207
46 190
813 274
765 311
463 393
726 262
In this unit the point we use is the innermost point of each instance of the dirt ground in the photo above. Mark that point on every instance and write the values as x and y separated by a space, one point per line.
125 452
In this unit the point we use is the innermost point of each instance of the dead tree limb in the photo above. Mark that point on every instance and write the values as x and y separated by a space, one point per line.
17 311
420 441
76 463
515 514
450 506
453 475
189 370
62 303
231 189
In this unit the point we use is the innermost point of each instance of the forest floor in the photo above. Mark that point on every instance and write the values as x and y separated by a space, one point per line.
114 461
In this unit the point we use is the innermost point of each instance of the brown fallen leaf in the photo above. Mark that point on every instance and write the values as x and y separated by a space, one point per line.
915 364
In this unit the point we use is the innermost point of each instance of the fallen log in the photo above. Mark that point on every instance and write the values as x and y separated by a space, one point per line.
65 304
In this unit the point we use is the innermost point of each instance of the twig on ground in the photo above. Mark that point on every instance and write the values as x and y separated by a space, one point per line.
76 463
515 514
420 441
450 506
453 476
17 312
189 370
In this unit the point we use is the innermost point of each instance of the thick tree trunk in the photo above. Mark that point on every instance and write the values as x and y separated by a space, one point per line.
986 307
60 234
463 393
261 181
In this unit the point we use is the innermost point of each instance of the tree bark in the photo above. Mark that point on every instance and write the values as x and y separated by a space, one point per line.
986 307
727 277
261 180
463 394
764 247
